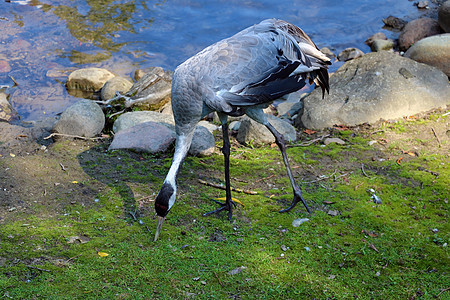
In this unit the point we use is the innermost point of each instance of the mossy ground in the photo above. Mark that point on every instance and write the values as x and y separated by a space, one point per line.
62 207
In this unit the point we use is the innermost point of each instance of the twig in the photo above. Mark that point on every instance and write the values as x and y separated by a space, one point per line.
145 198
444 290
435 134
218 279
217 186
304 144
323 177
15 82
364 172
74 136
265 178
62 167
36 268
72 258
133 214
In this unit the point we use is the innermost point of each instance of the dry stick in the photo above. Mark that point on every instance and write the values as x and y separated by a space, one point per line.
309 142
73 136
218 279
39 269
364 172
72 258
321 178
436 136
223 188
264 178
444 290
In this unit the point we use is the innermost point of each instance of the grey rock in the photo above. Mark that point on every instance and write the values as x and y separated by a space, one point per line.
211 127
380 45
148 136
89 79
131 119
379 85
84 118
433 51
394 22
327 51
444 16
417 30
328 141
234 125
203 143
289 109
251 131
113 85
349 53
376 36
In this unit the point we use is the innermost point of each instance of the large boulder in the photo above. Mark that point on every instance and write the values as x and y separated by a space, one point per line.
433 51
417 30
251 131
444 16
84 118
379 85
148 136
131 119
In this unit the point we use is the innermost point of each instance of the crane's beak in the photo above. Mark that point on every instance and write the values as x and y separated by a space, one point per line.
158 227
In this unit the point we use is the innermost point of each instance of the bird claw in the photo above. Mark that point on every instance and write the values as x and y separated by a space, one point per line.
297 198
228 205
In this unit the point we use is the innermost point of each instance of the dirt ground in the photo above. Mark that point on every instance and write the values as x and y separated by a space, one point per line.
37 172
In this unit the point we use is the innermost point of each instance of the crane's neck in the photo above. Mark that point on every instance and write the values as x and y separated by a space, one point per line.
182 146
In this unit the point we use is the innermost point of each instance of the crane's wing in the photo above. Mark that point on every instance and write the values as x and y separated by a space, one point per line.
258 65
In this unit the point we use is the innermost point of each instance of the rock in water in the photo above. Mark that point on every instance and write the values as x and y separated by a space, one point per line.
84 118
89 79
433 51
417 30
113 85
379 85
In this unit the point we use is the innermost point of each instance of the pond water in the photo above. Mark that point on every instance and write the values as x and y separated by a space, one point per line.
41 42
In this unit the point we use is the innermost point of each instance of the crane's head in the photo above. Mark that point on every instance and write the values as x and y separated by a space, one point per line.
163 202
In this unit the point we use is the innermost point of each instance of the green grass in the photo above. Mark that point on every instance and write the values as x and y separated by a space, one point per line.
396 250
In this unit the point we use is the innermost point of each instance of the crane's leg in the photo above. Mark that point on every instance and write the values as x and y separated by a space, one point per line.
226 154
279 139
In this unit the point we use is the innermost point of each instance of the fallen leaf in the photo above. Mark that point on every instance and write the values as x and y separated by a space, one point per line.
340 127
399 160
12 155
102 254
74 181
328 202
309 131
373 247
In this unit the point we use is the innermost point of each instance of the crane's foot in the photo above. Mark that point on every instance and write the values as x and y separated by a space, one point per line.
297 198
228 205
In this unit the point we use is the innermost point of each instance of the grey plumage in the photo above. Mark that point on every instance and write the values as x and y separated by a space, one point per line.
240 75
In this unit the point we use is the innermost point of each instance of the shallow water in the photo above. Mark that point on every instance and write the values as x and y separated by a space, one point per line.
41 42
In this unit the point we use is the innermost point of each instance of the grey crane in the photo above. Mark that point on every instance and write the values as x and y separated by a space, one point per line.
242 74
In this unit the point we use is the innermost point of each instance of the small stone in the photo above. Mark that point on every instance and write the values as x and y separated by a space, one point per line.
328 141
298 222
88 79
307 249
378 273
284 248
372 143
203 282
328 53
332 277
196 278
349 54
237 270
114 85
422 4
376 36
333 213
394 22
380 45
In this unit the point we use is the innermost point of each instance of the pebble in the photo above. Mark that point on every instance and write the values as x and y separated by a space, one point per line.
298 222
349 54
